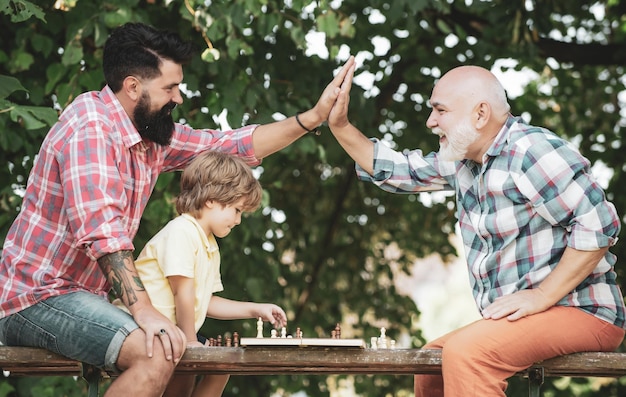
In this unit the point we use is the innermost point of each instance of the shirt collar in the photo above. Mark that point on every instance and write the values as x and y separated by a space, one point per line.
502 139
130 136
208 241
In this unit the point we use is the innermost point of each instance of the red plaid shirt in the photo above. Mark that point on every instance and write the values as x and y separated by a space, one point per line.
88 188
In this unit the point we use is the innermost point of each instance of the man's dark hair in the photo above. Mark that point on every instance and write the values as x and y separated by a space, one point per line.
136 49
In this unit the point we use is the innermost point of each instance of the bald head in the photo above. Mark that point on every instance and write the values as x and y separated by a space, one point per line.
471 85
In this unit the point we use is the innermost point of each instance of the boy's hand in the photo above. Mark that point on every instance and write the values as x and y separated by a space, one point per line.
272 313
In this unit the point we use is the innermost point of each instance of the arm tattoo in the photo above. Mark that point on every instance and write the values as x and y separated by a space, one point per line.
119 269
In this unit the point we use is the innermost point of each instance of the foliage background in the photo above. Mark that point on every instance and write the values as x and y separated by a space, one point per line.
318 245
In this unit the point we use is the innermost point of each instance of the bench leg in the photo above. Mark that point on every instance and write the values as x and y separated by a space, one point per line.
92 375
535 380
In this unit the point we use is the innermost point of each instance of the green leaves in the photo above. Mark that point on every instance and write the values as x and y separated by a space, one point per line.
117 17
334 25
328 23
29 117
72 53
33 117
21 10
9 85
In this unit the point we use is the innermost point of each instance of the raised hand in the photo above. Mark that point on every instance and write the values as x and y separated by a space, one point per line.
327 100
338 116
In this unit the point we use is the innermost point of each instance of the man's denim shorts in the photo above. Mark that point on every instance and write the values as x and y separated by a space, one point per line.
79 325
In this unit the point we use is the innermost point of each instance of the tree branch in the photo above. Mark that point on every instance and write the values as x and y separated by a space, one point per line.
326 244
593 54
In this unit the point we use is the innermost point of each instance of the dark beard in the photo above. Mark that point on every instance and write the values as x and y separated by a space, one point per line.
155 126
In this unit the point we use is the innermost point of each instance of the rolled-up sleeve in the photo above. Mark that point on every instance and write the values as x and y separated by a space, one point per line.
188 142
561 188
405 172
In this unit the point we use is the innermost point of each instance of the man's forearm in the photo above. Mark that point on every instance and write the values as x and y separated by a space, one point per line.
572 269
357 145
270 138
119 269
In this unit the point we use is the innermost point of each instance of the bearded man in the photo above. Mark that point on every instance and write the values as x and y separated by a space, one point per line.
71 243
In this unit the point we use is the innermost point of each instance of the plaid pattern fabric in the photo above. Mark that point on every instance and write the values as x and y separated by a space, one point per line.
532 197
88 188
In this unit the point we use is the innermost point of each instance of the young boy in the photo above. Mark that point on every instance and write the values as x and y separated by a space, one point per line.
180 266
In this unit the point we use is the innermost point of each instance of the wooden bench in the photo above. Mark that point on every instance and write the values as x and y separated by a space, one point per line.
24 361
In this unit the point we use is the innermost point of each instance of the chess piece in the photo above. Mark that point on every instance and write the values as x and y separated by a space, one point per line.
338 331
283 332
274 333
374 342
259 328
236 339
382 339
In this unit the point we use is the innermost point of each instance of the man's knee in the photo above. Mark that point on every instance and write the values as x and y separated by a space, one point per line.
133 354
458 350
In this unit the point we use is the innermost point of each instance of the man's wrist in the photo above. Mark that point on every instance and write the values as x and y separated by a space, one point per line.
307 123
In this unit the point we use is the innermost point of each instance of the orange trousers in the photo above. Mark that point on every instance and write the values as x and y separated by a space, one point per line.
478 359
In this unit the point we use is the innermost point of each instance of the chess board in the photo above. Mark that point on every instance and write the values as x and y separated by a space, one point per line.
298 339
303 342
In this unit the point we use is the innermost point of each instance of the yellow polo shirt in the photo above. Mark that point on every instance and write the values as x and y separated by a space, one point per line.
181 248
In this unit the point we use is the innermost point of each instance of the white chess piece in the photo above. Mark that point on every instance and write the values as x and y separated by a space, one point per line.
382 339
259 328
283 332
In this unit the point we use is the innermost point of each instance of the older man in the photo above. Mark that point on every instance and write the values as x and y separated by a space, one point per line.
536 228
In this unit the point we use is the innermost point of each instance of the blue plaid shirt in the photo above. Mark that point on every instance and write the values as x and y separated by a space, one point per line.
532 197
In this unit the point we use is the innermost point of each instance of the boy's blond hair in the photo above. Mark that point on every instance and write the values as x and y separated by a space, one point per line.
219 177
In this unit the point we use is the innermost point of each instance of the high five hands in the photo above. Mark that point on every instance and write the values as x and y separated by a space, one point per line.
338 117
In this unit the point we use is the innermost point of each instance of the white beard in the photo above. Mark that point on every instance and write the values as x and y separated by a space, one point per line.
458 141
